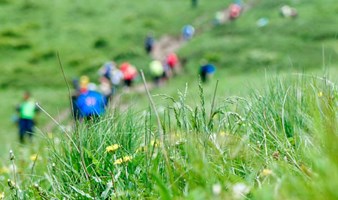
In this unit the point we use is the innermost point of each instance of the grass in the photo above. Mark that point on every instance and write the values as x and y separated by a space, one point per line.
86 35
267 144
9 132
266 136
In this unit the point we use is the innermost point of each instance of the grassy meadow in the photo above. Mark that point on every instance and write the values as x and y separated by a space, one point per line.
85 34
267 132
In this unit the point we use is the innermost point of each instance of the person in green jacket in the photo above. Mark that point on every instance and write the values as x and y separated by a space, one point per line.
156 71
27 111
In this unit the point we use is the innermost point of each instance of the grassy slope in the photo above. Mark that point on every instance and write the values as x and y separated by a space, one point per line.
73 28
282 45
272 142
237 48
30 38
246 55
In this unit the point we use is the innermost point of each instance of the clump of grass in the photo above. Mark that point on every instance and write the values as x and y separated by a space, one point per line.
261 147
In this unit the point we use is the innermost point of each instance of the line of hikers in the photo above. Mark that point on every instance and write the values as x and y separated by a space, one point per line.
90 101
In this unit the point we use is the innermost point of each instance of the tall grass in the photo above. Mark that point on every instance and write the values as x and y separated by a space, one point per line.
277 144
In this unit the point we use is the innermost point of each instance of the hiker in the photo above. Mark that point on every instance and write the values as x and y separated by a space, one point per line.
234 11
238 2
172 63
105 88
105 73
156 71
172 60
149 43
262 22
27 111
188 32
110 72
288 12
206 71
106 69
84 80
116 79
91 104
219 18
129 73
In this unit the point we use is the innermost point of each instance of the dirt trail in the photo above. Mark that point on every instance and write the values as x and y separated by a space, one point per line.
165 45
172 43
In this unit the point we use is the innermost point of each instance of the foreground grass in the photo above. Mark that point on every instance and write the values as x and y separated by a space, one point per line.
260 147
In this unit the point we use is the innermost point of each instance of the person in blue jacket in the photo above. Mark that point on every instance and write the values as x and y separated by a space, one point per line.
206 71
188 32
91 104
149 43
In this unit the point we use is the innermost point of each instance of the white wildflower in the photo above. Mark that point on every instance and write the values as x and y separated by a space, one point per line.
216 189
240 190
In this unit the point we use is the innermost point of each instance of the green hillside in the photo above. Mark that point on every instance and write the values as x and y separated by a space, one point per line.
268 132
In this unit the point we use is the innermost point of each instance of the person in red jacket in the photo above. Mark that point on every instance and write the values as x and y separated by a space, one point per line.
234 11
172 60
129 73
172 63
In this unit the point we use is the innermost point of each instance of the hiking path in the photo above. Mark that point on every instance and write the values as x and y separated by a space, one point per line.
163 46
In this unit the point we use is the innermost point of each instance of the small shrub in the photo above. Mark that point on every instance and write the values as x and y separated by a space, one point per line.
16 44
11 33
149 23
214 57
100 43
41 56
258 57
128 54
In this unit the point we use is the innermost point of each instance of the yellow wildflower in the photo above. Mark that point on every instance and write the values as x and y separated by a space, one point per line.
141 149
4 170
118 161
306 170
155 143
178 135
33 157
123 160
223 134
127 158
2 195
50 135
112 148
320 94
266 172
